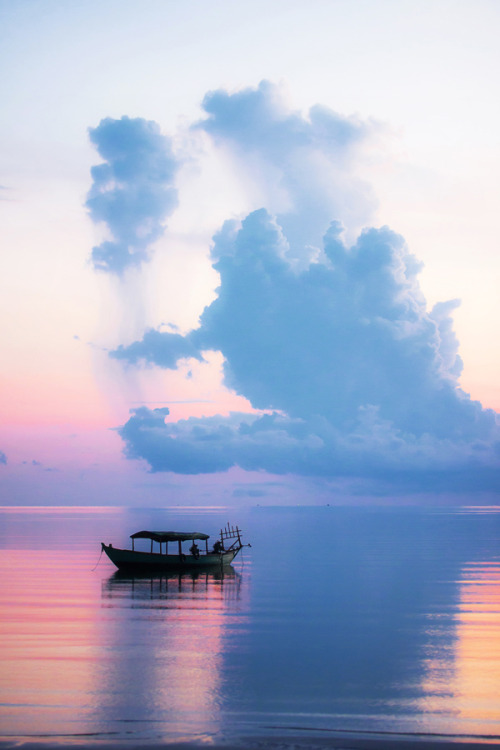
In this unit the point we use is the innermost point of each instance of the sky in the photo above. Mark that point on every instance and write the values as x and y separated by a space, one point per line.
249 252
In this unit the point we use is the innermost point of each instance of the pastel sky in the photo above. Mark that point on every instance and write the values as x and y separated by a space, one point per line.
249 252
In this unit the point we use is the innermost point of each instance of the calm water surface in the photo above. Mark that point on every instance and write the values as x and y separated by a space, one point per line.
376 619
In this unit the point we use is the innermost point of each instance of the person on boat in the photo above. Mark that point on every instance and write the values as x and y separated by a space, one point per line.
218 548
195 550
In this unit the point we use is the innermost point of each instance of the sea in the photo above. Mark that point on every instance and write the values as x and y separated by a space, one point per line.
373 620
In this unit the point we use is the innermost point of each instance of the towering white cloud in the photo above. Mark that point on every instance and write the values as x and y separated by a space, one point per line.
132 191
358 377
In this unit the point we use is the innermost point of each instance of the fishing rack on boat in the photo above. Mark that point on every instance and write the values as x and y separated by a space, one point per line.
231 532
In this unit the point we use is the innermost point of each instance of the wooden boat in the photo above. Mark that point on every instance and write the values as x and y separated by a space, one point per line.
223 552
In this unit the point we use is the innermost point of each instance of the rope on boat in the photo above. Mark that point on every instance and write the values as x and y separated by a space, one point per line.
99 560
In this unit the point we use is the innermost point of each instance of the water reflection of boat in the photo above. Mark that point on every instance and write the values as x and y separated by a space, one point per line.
219 556
156 585
191 576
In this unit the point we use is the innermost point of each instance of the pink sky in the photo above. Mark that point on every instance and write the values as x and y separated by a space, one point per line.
430 170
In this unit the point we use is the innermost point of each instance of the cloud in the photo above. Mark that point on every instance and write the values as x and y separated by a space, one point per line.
5 193
357 376
39 464
373 451
303 164
361 378
3 458
132 191
248 493
164 349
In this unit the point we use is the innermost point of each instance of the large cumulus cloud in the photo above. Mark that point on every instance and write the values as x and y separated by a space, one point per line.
360 378
357 376
132 191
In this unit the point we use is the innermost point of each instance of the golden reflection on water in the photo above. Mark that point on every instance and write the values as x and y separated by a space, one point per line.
462 683
476 685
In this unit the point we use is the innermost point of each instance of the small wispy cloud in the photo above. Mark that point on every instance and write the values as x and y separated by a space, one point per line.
303 164
167 347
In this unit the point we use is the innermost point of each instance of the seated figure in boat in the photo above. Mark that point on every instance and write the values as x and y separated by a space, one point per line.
218 548
195 550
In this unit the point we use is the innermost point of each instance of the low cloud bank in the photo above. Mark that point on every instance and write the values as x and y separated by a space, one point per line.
357 378
387 460
132 191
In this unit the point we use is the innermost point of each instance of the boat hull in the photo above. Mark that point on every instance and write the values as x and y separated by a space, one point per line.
126 559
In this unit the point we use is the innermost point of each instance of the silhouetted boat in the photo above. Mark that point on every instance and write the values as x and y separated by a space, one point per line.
219 555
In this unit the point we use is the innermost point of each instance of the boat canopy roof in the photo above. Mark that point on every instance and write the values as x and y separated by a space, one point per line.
169 536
